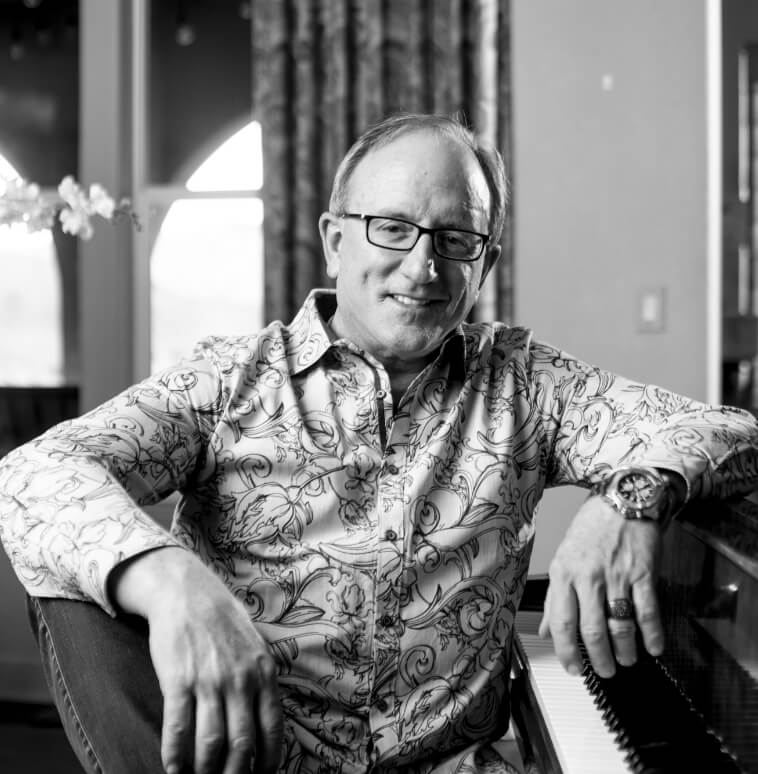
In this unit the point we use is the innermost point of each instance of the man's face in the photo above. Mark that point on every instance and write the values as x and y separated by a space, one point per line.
397 305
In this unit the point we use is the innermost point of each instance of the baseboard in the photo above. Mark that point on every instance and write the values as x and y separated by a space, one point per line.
23 681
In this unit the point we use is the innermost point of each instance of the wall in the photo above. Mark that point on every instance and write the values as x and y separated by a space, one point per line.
610 175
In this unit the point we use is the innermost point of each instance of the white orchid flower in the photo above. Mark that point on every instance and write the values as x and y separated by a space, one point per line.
76 222
23 202
102 204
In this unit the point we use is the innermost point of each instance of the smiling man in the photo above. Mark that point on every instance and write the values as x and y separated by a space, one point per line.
403 286
359 491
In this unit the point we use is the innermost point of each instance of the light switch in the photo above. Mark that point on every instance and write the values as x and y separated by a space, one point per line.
651 310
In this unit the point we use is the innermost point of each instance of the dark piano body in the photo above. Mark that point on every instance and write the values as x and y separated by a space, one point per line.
695 709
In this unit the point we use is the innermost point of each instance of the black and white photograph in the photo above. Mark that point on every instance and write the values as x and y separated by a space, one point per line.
378 386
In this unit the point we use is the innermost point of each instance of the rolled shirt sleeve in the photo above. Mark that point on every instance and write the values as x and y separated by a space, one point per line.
71 500
599 421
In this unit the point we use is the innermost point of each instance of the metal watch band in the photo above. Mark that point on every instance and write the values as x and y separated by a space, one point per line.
660 508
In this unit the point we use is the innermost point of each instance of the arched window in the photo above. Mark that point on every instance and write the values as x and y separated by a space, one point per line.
31 347
206 265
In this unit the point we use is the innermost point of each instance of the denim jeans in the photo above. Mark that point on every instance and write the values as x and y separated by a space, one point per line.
101 677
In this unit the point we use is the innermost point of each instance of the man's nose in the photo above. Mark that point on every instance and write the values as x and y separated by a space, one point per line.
420 263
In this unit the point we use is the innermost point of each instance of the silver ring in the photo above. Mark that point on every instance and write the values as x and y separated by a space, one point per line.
621 609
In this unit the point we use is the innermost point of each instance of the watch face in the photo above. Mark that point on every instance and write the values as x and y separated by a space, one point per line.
637 489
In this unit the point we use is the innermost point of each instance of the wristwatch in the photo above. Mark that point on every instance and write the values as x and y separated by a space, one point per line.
638 493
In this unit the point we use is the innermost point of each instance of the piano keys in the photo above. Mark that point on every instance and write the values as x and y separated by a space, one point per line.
693 710
637 721
576 739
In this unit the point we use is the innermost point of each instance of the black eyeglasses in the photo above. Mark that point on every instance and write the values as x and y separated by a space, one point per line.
397 234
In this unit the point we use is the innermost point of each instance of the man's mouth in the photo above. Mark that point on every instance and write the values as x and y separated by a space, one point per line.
411 301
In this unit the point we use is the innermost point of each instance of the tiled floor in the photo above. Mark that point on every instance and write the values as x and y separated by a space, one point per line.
32 741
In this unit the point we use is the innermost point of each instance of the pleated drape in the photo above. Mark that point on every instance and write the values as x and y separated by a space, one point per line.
324 70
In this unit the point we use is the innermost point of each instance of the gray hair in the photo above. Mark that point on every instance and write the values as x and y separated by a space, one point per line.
382 133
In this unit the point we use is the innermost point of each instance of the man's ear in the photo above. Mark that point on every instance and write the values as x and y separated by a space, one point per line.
330 228
490 260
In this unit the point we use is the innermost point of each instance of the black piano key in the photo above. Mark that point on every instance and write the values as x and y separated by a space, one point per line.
655 724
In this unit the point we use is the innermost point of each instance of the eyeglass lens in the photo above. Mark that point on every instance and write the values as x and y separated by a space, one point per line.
400 235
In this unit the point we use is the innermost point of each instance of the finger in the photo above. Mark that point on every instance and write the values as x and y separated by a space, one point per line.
594 630
562 623
269 719
622 628
648 616
240 726
177 730
210 733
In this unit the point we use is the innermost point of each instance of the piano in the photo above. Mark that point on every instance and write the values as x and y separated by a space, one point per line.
694 709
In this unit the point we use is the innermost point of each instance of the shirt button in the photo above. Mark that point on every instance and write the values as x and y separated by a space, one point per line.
393 470
390 535
386 621
381 704
381 394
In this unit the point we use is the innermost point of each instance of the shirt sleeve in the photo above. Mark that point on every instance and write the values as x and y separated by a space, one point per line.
70 499
597 421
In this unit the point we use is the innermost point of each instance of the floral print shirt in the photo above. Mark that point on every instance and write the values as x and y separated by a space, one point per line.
381 550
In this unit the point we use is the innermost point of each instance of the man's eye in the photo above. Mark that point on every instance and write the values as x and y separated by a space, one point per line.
392 227
455 240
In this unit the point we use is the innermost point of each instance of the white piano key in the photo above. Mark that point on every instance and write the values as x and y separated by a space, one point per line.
583 742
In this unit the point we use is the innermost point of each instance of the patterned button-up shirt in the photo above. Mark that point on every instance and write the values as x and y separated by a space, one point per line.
380 549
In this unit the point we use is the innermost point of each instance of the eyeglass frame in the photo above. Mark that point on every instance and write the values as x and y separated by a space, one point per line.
421 231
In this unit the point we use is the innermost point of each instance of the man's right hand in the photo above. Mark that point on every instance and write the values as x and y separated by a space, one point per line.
221 703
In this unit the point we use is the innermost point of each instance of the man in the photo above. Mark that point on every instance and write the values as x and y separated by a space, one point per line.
358 493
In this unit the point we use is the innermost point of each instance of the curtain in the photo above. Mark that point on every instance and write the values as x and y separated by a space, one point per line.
325 70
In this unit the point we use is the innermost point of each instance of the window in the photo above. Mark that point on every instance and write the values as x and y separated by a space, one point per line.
197 178
206 268
39 133
31 348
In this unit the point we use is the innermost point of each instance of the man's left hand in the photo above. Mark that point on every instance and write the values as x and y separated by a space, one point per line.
604 562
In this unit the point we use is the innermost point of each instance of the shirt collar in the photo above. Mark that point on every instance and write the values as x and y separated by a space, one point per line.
310 336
